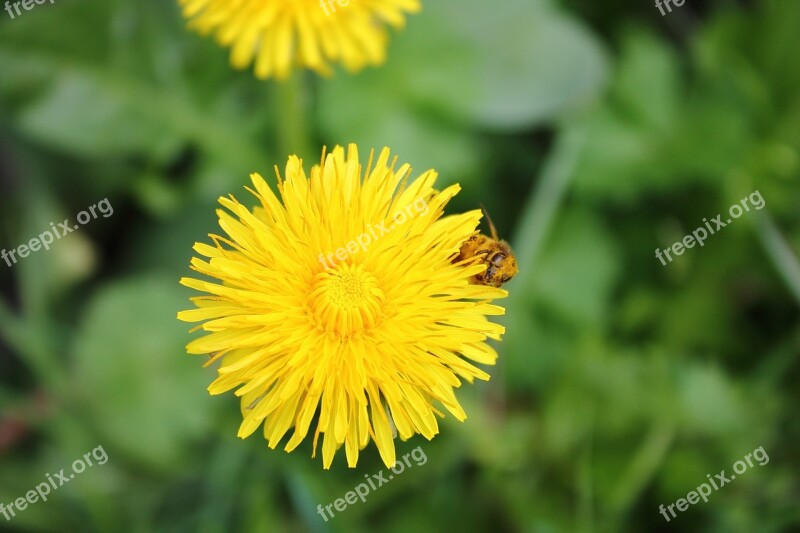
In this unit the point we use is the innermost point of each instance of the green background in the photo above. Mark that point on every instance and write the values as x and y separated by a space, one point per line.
594 132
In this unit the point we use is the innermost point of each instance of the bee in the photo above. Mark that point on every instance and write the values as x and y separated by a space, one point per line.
496 254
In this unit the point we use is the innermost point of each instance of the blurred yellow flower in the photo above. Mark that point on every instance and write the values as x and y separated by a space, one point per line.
277 34
343 296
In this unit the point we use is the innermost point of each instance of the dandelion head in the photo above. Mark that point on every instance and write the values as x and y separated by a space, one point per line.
276 35
337 304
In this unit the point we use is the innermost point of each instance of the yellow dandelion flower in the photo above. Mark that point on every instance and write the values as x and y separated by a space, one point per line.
342 300
276 34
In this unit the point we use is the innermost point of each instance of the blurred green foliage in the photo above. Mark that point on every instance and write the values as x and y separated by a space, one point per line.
593 132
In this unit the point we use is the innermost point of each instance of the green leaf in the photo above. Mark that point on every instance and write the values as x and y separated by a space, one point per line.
381 117
81 116
502 68
109 95
459 65
146 395
578 270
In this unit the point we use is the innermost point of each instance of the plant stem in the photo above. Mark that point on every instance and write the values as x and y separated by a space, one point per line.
292 103
546 198
538 216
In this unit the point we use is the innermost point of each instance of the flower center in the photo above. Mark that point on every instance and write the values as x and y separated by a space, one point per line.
346 300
